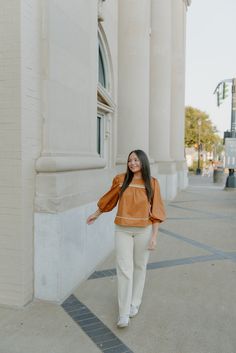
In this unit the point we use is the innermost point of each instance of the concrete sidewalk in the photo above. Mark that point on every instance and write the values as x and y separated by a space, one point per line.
189 299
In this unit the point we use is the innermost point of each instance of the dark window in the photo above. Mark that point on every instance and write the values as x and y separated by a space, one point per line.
101 69
99 135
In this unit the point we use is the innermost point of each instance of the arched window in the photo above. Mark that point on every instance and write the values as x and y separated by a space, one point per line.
105 103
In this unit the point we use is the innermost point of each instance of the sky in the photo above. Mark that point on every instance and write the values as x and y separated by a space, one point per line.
210 57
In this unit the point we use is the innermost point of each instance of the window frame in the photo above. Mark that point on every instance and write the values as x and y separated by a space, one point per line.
105 103
100 134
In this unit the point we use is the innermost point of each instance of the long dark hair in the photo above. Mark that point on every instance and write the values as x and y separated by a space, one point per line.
145 171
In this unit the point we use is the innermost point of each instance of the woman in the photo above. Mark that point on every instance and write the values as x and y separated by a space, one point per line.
140 210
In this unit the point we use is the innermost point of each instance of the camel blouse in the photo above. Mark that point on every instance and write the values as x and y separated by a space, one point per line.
134 209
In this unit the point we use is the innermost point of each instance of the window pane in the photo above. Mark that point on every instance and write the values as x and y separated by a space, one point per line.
101 70
99 135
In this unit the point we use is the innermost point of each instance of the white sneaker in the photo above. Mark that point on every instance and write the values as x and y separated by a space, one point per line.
133 310
123 321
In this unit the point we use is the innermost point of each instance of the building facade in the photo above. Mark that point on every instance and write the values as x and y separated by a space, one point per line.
83 82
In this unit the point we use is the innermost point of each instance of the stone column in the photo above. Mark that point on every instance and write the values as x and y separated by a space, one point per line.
70 175
19 146
133 77
178 80
160 80
178 88
160 97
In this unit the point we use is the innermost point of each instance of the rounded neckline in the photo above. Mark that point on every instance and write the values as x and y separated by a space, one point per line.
137 180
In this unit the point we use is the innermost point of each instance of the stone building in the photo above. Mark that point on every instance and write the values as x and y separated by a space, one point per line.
83 82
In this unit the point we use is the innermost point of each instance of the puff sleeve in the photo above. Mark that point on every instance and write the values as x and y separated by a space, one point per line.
109 200
157 211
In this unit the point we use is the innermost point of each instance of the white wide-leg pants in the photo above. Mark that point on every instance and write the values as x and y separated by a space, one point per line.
131 260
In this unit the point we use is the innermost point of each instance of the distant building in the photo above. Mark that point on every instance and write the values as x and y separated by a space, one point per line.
82 84
191 156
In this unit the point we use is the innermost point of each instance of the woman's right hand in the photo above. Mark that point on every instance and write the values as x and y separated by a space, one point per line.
92 218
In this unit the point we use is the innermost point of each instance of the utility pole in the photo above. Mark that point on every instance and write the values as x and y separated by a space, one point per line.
229 136
198 171
233 110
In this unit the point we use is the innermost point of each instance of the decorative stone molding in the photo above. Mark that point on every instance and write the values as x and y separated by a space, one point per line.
105 102
52 164
58 192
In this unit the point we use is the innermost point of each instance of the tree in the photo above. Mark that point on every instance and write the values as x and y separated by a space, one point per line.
206 131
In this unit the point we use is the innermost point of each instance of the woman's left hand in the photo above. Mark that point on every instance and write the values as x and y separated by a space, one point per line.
152 243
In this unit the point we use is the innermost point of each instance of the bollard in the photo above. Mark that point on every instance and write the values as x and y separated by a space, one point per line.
218 175
231 179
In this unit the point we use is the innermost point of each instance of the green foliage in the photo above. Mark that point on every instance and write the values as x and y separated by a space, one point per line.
206 131
194 166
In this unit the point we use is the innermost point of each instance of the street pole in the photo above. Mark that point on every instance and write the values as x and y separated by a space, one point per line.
229 136
231 179
233 109
198 171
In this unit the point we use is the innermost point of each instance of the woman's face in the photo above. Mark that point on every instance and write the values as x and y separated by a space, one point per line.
134 163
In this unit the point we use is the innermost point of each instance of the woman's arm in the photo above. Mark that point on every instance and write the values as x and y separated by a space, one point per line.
157 211
107 202
92 218
153 241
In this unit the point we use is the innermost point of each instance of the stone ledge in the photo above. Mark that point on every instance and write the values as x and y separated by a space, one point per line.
54 164
60 191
